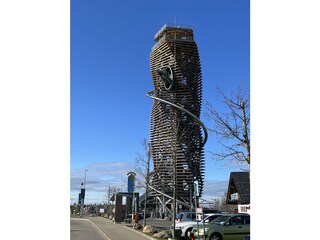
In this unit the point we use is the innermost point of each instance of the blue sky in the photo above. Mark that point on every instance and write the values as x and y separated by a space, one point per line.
111 43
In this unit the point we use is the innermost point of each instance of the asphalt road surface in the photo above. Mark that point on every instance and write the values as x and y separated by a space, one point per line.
99 228
84 229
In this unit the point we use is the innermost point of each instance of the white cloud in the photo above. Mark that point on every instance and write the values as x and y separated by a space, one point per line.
98 178
214 189
102 175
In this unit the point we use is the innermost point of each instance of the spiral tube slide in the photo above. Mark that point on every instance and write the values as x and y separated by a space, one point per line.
151 95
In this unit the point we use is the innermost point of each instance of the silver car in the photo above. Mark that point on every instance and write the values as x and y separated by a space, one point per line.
187 226
185 217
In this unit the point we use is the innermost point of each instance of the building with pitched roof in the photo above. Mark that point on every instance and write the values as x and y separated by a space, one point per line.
239 191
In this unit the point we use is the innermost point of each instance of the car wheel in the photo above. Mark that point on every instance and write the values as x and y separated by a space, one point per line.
215 236
188 233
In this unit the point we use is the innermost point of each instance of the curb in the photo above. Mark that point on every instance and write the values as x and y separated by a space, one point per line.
142 234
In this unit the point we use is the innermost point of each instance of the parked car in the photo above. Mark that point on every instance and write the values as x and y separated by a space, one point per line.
225 227
185 217
186 227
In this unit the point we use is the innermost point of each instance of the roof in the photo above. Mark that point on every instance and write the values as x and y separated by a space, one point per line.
173 28
239 188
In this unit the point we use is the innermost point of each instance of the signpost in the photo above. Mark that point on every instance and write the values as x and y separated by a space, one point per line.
196 194
82 194
199 211
131 178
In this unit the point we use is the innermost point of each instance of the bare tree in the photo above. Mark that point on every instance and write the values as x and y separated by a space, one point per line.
143 170
112 190
233 126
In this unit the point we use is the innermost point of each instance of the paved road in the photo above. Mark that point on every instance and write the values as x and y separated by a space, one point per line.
84 229
99 228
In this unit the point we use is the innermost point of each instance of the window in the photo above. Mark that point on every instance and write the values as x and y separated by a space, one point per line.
244 209
235 221
179 216
246 219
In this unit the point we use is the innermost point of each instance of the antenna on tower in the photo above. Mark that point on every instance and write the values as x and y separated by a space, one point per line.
175 21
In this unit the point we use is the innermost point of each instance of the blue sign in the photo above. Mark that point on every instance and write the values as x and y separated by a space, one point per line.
131 178
196 188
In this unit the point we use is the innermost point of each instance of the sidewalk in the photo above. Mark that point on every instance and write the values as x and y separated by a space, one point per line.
118 231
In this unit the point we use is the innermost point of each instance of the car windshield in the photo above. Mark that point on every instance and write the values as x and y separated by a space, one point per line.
210 218
179 216
220 220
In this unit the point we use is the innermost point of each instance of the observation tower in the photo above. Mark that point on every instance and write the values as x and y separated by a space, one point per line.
177 136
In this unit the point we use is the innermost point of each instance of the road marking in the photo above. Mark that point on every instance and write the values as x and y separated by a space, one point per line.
100 231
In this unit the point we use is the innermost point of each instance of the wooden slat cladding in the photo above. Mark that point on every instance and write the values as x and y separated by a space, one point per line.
171 128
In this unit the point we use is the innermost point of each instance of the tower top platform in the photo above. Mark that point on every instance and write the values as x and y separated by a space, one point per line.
174 33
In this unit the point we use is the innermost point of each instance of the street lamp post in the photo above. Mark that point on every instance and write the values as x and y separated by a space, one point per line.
85 174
